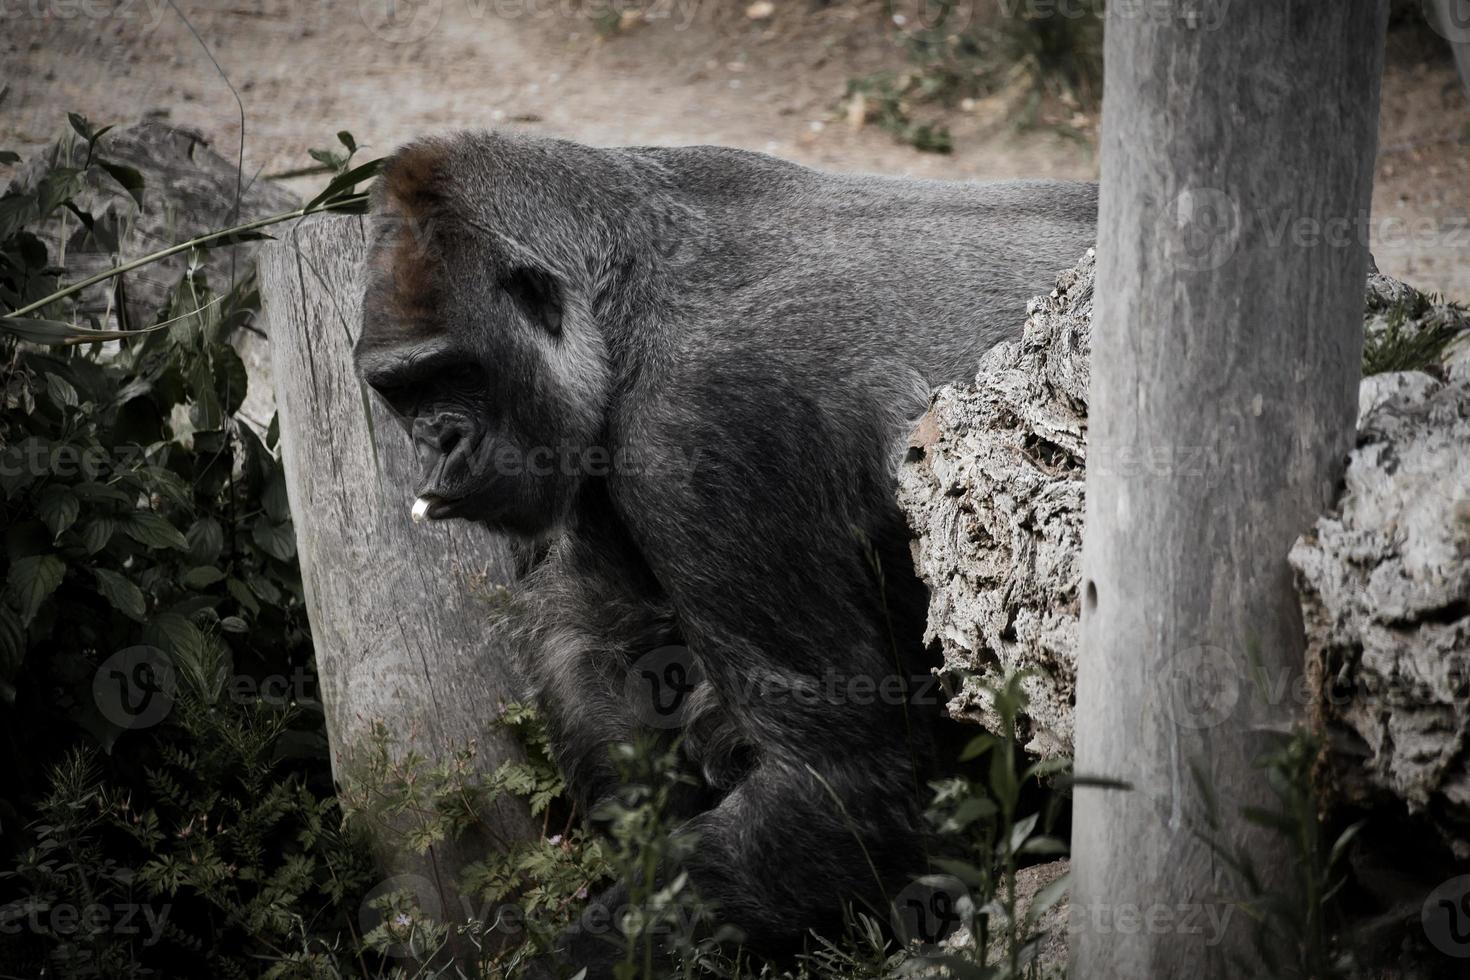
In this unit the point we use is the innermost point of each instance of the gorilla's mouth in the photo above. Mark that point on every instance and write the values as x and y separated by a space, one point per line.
450 444
427 507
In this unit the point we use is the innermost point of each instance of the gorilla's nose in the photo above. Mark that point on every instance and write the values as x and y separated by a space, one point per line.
444 443
442 432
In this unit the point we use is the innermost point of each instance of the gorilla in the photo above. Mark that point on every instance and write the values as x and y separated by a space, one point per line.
684 377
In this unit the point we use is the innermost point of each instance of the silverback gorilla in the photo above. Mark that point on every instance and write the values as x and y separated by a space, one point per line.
684 377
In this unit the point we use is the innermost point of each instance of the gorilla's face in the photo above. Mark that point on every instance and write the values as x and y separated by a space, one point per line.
488 357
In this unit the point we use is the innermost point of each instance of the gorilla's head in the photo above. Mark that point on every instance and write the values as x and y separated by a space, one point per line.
480 330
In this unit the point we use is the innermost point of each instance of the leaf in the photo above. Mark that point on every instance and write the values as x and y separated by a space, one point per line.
167 483
58 508
273 499
345 138
1021 829
1047 767
202 577
1074 781
1050 846
205 667
230 378
343 183
60 391
1003 782
152 531
12 643
93 492
326 158
265 588
351 204
234 624
1048 896
977 746
57 187
80 124
125 597
96 534
174 633
16 211
1344 841
54 333
130 179
276 540
963 870
241 593
206 540
207 412
31 581
136 388
969 810
8 157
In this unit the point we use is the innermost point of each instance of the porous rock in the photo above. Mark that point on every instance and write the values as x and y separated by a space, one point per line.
993 489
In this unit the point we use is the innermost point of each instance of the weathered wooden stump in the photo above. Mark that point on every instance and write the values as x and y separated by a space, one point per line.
402 615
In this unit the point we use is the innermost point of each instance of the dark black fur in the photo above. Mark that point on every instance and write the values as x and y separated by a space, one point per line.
734 347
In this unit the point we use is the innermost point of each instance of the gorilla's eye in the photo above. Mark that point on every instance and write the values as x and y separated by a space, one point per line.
538 296
463 378
402 397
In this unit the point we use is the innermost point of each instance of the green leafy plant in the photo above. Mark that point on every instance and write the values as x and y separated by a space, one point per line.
1412 332
166 742
42 316
407 797
986 820
1295 929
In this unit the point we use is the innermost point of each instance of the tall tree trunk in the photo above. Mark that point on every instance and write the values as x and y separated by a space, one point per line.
1237 161
401 614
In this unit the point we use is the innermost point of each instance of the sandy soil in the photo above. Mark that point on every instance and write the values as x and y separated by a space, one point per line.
696 71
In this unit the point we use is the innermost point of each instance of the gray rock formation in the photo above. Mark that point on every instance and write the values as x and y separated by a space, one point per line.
1385 589
993 488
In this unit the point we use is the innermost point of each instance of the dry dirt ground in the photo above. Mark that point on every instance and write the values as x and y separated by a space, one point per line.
692 71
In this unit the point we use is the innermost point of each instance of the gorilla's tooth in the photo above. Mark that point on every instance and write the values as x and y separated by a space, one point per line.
421 509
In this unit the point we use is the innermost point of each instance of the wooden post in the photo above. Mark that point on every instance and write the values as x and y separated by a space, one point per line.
1237 160
401 613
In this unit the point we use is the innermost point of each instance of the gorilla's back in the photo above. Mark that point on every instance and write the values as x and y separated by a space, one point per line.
861 270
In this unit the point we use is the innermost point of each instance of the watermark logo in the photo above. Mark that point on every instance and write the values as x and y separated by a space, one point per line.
135 687
401 21
659 685
930 910
1199 687
79 923
1207 922
1201 229
1446 917
1450 19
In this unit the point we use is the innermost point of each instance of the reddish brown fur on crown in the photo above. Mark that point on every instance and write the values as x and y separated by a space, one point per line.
403 283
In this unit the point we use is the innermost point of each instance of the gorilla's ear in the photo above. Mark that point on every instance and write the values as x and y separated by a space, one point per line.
538 295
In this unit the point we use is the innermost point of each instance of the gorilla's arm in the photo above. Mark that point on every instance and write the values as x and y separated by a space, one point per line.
766 554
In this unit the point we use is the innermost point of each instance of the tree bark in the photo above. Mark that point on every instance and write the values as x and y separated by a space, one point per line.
401 614
1237 161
